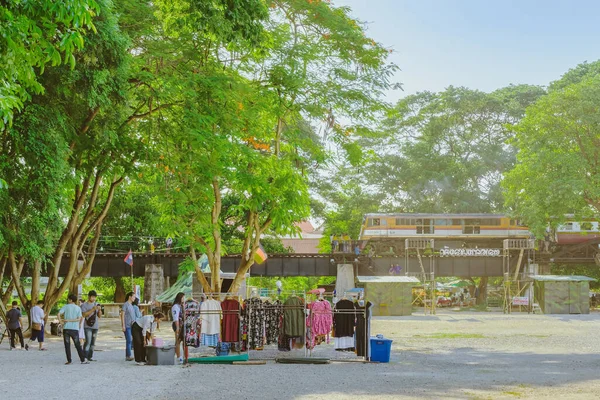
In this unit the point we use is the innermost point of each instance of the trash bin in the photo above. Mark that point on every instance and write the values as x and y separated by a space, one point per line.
160 355
381 349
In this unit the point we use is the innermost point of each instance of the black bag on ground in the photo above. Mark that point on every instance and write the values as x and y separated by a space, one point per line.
55 329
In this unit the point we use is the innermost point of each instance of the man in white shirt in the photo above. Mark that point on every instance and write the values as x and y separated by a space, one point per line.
37 325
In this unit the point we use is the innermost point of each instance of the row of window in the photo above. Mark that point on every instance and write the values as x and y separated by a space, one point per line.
431 223
583 226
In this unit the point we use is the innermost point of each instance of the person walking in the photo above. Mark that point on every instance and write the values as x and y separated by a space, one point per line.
136 308
81 326
37 325
127 319
91 312
13 316
70 317
140 328
177 314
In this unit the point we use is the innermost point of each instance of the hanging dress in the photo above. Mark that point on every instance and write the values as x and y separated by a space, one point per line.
210 315
230 327
344 320
363 329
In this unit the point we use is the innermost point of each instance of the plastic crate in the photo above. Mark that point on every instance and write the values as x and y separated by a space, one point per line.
160 355
381 349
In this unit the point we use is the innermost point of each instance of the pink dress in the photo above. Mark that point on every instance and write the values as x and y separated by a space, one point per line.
321 320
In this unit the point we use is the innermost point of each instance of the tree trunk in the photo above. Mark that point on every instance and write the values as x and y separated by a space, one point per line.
482 297
119 290
215 260
199 274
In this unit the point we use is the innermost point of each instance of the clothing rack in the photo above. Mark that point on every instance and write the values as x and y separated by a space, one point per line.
289 293
355 312
308 311
306 314
210 296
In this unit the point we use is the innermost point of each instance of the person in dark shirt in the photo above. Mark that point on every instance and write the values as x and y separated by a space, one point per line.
14 325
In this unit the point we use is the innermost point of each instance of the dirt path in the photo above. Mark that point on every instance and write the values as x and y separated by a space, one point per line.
447 356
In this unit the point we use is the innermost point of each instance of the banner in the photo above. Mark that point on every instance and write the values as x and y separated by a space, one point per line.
470 252
520 301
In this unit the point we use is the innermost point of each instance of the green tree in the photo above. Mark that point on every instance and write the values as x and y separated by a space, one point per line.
447 152
557 171
86 110
34 34
243 139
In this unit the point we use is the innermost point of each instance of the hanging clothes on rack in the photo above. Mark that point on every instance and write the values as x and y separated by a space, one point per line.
363 330
192 323
293 326
273 315
319 323
254 323
230 329
210 315
344 320
293 315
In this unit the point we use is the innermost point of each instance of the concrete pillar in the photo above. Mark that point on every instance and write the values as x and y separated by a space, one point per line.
154 282
345 279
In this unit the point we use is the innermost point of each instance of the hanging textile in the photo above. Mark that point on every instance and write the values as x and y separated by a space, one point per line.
230 327
273 315
319 323
210 314
363 329
254 321
344 320
293 315
209 340
192 323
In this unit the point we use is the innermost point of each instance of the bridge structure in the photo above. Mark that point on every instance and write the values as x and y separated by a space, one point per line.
491 264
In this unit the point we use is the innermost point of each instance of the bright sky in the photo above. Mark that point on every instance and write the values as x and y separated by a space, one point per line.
481 44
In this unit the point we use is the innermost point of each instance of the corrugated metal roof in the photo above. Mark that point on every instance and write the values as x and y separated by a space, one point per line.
561 278
387 279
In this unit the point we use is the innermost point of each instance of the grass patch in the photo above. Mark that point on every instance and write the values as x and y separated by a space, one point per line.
452 336
516 394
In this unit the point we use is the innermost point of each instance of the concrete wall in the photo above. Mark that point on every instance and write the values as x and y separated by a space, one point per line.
563 297
389 298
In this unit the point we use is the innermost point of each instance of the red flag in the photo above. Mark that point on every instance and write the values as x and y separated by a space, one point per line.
129 258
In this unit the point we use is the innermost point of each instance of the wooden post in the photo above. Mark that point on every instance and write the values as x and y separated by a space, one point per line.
519 264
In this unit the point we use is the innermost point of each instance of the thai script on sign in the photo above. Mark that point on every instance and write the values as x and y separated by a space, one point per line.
470 252
520 301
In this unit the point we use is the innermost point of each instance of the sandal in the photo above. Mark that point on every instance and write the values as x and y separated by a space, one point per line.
43 349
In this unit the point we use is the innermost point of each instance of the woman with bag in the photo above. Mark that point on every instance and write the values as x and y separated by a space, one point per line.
37 325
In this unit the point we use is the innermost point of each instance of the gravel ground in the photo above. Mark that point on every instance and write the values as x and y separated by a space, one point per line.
452 355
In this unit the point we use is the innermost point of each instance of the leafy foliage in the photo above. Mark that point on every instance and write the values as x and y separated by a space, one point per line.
34 34
557 169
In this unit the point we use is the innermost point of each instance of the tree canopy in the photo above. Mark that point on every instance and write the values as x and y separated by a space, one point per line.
558 151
